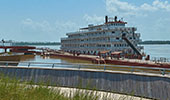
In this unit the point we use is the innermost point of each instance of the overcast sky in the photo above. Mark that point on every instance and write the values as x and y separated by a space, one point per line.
49 20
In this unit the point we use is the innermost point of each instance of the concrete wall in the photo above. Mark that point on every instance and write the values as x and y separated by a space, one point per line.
141 85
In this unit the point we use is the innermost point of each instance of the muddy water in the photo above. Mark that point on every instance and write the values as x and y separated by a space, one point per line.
152 50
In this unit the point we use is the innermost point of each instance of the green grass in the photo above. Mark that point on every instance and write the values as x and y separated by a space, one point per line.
13 89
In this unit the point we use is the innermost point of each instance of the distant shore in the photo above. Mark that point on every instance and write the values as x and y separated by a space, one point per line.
154 42
35 43
150 42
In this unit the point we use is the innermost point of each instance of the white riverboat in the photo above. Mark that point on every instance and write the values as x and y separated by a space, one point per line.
112 36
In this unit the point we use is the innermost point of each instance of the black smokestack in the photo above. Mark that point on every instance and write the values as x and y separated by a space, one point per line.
115 18
106 19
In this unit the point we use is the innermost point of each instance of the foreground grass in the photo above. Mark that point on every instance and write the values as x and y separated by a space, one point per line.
12 89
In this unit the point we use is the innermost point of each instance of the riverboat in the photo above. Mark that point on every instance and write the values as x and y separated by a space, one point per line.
108 39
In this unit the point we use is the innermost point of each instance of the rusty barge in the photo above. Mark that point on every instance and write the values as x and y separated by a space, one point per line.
114 61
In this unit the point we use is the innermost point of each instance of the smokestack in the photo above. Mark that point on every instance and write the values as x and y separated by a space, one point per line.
106 19
115 18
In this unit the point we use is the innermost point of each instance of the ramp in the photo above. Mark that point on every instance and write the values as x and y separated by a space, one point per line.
131 45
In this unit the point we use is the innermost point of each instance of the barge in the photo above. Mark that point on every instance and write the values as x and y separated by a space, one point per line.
114 61
12 55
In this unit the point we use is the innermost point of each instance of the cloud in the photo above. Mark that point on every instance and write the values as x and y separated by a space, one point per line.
118 6
44 30
125 8
43 26
147 7
161 5
93 19
66 26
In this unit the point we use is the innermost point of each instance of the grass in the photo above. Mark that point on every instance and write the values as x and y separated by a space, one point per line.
13 89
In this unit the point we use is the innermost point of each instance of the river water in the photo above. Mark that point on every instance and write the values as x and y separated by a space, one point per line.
152 50
157 50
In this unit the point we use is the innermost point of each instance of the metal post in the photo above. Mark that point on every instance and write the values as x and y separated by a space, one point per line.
132 70
6 64
163 71
104 67
79 66
29 64
53 66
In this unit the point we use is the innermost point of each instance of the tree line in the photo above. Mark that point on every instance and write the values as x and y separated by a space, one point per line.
155 42
35 43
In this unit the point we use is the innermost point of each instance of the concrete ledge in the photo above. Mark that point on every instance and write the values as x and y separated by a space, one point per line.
139 84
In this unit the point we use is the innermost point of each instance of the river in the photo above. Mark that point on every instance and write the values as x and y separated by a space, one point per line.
157 50
152 50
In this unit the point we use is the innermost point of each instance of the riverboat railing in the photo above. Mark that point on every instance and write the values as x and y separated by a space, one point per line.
80 66
160 59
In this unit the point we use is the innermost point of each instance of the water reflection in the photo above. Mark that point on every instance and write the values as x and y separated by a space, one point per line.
27 57
69 60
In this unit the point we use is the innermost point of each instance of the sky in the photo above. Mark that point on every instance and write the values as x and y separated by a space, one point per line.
50 20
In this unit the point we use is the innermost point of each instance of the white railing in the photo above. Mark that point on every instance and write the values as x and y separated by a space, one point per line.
102 67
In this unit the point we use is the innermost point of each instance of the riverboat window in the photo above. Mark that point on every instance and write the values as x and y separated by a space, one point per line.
108 45
113 31
130 38
108 39
117 38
